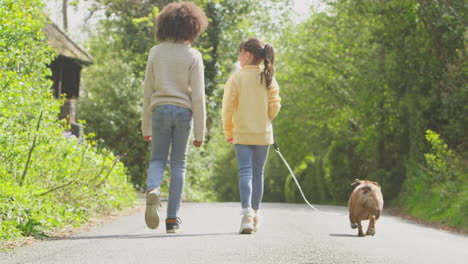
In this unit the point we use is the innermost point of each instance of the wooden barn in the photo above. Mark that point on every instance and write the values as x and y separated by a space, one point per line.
66 72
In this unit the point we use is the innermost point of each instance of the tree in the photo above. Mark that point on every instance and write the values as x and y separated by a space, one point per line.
364 81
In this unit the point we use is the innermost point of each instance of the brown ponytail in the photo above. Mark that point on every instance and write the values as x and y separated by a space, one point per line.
260 51
269 70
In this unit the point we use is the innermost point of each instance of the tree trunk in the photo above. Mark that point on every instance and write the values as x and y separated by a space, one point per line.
65 15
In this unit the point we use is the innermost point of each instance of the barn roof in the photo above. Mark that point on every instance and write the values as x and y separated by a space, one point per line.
60 42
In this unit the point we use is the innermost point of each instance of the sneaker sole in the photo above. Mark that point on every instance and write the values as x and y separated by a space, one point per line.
247 231
151 212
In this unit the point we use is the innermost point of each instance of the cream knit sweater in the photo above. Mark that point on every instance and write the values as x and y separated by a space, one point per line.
249 107
175 76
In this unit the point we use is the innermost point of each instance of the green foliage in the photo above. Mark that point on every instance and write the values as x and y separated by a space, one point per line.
224 175
47 180
361 83
363 80
440 160
110 105
438 189
311 177
29 229
342 166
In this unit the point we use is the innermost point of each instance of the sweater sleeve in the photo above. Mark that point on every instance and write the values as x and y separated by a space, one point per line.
229 99
147 93
197 86
274 101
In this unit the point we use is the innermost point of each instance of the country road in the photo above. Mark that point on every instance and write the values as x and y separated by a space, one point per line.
292 233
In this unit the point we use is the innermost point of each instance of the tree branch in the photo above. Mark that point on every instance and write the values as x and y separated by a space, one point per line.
70 182
31 150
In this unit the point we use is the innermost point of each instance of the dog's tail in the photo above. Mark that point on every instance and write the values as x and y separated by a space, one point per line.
366 189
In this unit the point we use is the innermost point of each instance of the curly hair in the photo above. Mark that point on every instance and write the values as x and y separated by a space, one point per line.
181 21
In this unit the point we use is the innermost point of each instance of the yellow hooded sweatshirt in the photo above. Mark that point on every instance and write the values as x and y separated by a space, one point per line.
249 107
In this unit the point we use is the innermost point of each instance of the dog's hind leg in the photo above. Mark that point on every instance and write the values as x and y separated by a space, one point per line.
360 233
353 221
371 228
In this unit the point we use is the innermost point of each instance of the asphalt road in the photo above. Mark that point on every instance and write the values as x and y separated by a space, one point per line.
292 233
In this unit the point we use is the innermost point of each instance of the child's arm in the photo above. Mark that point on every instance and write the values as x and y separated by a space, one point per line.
274 101
197 85
147 92
229 98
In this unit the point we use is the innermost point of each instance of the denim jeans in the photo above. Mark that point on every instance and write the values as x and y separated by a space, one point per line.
171 126
251 162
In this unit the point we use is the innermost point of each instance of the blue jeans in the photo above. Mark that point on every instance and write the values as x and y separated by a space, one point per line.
251 161
171 126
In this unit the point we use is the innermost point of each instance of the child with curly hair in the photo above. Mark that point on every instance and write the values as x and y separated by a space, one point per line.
174 93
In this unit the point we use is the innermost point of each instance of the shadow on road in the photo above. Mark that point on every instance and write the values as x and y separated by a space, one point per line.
140 236
342 235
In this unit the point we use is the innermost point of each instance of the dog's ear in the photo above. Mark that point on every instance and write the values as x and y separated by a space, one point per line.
377 184
356 182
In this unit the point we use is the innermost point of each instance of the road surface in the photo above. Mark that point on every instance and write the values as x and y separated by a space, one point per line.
292 233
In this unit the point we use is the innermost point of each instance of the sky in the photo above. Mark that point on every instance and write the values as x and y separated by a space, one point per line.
78 29
302 7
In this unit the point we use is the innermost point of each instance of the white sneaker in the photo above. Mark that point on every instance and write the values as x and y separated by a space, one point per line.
258 220
151 212
247 224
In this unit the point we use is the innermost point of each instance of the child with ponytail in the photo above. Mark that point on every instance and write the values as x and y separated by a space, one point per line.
251 101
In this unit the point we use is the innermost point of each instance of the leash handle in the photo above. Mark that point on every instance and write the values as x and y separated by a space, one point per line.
276 147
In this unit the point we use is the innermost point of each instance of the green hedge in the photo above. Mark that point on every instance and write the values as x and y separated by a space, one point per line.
46 180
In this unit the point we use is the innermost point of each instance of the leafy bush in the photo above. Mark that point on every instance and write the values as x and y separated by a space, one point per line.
437 190
47 180
222 168
342 164
110 105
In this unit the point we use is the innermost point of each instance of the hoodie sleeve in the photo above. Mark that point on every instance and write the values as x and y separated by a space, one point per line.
274 101
229 102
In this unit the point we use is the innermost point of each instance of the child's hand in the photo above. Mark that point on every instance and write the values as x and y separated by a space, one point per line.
147 138
197 143
230 141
